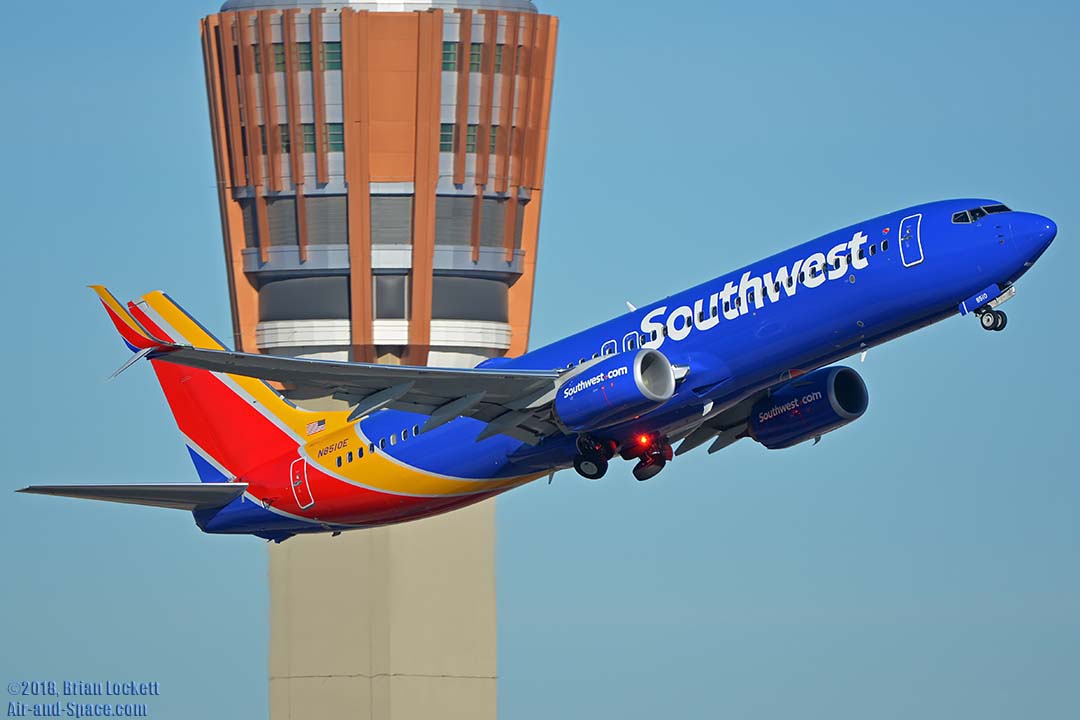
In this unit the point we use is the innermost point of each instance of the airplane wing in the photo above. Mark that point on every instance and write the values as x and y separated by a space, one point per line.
512 402
177 496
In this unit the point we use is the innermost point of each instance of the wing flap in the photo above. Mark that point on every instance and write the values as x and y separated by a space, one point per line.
185 496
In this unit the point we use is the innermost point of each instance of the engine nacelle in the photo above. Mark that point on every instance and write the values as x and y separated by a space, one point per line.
809 406
614 389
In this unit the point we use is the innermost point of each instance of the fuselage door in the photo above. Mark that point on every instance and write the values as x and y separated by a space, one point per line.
298 481
910 241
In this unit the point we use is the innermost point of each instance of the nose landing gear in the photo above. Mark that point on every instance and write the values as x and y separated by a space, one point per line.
993 320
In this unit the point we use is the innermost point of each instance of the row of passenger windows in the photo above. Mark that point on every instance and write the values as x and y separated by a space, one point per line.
381 444
335 137
451 50
450 137
330 56
714 311
970 216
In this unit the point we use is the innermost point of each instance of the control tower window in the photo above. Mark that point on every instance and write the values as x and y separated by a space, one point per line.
446 138
449 55
303 51
335 136
331 56
391 297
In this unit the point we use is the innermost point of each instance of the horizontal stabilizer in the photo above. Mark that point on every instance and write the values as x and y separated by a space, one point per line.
178 496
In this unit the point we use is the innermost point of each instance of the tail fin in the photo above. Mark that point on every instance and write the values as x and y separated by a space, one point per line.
232 424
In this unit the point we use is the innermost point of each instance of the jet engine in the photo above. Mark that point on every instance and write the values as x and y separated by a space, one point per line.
614 389
808 407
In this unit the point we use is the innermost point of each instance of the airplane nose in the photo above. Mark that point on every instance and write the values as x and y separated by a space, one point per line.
1046 231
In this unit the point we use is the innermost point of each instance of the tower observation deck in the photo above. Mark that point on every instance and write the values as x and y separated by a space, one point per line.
380 169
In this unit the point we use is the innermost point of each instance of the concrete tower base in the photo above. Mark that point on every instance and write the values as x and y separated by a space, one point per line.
388 624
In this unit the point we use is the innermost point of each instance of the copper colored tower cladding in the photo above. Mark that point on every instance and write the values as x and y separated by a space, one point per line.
388 206
380 171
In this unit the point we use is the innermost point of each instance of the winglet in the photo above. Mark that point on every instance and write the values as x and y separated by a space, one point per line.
134 335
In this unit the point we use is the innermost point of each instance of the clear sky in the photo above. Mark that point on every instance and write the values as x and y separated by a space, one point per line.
921 563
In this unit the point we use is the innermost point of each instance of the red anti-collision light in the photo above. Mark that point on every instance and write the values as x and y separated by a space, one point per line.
643 440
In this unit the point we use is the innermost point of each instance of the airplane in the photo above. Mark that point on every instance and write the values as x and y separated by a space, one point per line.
746 355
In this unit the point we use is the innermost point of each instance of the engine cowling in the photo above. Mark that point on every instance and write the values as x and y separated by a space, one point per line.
614 389
809 406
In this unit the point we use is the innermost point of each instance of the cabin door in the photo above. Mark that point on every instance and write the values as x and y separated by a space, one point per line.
910 241
299 482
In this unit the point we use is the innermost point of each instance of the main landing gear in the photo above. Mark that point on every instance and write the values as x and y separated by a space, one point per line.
653 454
591 462
994 320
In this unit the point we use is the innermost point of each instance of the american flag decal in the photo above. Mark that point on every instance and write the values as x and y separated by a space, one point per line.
316 427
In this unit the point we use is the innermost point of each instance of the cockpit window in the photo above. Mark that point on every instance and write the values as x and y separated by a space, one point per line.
970 216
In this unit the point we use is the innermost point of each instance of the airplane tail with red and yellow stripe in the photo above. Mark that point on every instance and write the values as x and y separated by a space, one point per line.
232 424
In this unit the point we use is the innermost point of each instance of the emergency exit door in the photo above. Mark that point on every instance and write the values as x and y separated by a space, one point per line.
299 482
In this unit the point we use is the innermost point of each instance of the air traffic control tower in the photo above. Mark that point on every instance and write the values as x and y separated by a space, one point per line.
380 172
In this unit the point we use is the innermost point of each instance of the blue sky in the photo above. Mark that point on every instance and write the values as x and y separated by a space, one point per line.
922 562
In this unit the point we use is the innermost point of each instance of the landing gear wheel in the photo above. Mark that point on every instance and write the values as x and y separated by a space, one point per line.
1001 320
988 320
591 467
648 468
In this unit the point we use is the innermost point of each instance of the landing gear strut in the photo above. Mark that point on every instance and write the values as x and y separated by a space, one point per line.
994 320
591 462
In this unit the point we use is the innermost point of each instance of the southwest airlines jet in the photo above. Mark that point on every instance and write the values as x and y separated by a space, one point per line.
746 355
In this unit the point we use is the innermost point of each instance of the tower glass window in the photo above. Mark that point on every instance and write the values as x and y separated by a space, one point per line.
309 137
446 138
331 56
475 57
470 139
335 133
449 55
499 57
303 51
391 297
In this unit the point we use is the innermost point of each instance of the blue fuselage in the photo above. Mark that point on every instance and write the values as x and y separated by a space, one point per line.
746 331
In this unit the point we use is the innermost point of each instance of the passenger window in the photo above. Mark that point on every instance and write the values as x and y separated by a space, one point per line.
595 355
415 430
371 447
790 280
349 457
339 461
873 250
727 306
802 277
404 435
776 286
382 443
359 453
715 310
393 440
884 246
